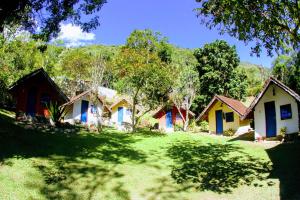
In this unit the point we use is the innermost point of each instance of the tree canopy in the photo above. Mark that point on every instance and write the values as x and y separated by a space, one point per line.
217 68
42 18
142 72
270 24
286 69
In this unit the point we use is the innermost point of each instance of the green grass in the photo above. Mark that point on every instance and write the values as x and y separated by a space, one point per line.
43 164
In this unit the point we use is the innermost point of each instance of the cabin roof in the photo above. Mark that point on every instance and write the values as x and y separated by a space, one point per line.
77 97
162 107
38 72
268 82
237 106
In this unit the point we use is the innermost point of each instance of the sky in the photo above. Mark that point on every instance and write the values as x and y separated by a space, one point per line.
175 19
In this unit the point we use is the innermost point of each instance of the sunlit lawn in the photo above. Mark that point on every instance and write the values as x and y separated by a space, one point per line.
113 165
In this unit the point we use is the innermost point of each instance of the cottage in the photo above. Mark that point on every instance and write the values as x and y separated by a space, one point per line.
86 108
223 113
34 92
275 108
121 112
169 117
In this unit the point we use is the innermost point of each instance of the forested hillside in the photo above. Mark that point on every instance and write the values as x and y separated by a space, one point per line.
74 67
256 75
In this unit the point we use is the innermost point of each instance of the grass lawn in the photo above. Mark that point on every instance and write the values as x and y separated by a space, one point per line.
111 165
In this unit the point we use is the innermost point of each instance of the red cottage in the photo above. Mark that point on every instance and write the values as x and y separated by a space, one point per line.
169 116
33 92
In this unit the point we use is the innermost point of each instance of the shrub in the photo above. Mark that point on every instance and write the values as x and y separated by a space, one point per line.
193 126
229 132
147 121
282 133
56 112
204 126
178 127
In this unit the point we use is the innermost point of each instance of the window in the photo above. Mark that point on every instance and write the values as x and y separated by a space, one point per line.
93 109
286 111
178 116
128 111
229 117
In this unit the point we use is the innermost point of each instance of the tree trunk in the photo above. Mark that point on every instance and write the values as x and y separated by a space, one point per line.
133 115
186 121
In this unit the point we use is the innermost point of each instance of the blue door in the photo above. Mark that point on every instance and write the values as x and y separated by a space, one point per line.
219 122
31 102
84 110
120 115
270 119
169 119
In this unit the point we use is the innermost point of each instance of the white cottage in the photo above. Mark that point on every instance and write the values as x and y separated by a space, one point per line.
276 107
121 112
84 109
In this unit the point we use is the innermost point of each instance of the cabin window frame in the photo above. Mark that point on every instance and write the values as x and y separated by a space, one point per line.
229 117
286 112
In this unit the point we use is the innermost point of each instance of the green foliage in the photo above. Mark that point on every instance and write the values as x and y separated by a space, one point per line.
76 63
229 132
143 75
4 97
217 68
271 24
148 121
286 69
47 15
204 126
56 112
18 58
256 76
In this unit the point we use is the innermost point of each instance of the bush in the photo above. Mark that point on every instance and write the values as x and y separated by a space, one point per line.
282 133
229 132
204 126
178 127
194 127
147 121
56 112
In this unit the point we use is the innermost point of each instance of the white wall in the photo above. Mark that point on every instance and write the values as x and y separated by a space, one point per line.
75 114
126 115
281 98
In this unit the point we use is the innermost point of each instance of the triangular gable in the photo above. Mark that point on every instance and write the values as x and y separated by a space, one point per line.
78 97
119 101
270 81
162 107
37 72
233 104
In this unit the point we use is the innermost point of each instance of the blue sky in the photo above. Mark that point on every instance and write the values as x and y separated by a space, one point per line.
175 19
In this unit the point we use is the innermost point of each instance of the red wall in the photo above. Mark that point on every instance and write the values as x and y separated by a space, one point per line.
42 86
161 116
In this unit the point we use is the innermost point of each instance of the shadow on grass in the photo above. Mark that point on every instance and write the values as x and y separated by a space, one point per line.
165 189
215 167
286 167
149 133
244 137
67 160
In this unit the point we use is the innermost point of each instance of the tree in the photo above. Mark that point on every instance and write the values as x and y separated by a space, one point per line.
217 68
184 91
286 69
97 73
142 73
43 17
271 24
18 57
281 66
75 64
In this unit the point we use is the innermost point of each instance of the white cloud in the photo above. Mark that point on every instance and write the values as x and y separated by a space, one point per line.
72 35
